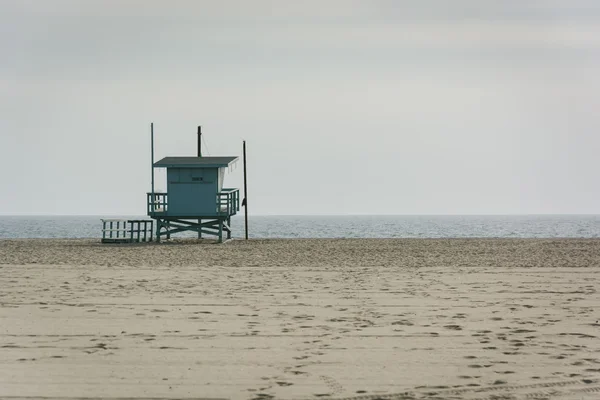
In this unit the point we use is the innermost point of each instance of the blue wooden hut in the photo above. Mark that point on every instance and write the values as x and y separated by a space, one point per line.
195 199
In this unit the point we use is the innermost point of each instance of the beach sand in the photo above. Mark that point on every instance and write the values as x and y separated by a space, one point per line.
301 319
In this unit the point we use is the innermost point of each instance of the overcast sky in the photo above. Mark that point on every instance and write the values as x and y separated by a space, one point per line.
347 107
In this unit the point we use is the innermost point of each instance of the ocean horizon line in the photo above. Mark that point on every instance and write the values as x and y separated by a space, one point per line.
327 215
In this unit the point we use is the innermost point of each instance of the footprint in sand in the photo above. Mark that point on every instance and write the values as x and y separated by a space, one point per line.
453 327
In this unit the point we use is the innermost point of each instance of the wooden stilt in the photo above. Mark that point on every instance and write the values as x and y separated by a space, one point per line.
158 226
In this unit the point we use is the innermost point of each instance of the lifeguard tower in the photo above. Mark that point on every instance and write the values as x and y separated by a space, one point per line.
195 199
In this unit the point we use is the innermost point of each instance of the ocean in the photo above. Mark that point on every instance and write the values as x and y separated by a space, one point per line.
363 226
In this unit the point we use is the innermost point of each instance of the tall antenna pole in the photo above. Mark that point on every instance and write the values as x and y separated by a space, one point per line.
152 160
199 141
245 193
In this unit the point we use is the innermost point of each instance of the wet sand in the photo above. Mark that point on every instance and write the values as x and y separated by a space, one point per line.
301 319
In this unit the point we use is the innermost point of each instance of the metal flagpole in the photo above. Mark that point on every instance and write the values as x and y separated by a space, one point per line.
152 160
245 193
199 155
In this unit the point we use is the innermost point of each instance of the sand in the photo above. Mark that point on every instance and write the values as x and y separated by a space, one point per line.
301 319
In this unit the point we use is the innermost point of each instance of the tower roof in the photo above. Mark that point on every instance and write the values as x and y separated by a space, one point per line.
195 162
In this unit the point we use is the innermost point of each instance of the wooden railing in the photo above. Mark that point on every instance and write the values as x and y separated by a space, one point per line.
127 230
228 201
158 204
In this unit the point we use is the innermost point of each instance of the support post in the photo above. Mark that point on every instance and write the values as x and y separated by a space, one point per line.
158 226
220 231
245 194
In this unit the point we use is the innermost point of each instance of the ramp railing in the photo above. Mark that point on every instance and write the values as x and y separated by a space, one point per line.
127 230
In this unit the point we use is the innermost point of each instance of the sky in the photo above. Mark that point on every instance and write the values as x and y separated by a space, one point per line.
347 106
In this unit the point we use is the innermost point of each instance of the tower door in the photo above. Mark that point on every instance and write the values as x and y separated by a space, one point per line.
192 192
